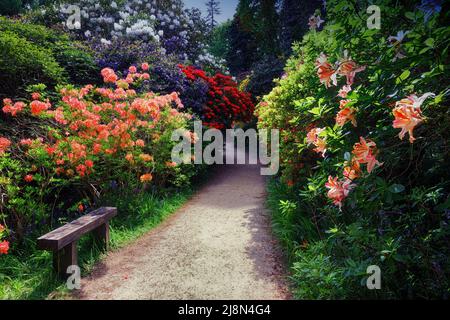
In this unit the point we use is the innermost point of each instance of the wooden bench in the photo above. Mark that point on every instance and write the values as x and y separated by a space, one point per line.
63 241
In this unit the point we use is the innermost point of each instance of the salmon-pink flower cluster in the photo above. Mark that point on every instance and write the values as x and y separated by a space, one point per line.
345 67
37 107
349 68
109 76
346 114
325 71
11 108
365 153
98 122
408 115
343 93
4 145
338 190
313 137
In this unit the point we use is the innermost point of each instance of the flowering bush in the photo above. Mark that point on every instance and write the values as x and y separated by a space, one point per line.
362 191
225 104
177 30
61 154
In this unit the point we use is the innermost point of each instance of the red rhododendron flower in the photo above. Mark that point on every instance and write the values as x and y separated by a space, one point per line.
28 178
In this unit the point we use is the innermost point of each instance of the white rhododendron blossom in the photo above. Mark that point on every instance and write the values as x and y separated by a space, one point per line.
178 30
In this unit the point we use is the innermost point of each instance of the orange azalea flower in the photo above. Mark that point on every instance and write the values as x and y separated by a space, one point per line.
321 145
132 69
28 178
146 157
37 107
352 171
346 114
109 76
408 115
313 138
325 71
13 109
171 164
4 247
140 143
4 145
343 93
349 68
313 134
365 153
146 178
338 190
35 95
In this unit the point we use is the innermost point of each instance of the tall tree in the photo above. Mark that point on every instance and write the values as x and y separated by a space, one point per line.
267 20
213 9
294 18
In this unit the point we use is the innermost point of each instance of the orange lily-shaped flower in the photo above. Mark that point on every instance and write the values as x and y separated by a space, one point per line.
325 71
346 114
313 138
408 115
349 68
365 153
338 190
352 170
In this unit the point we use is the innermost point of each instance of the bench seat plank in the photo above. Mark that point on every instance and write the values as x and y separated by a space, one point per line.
59 238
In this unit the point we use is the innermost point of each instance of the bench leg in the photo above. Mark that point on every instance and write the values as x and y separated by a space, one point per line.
101 236
64 258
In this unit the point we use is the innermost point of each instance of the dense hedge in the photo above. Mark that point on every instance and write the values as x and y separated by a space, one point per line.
353 192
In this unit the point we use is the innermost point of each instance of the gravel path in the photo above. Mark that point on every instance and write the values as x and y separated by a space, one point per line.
218 246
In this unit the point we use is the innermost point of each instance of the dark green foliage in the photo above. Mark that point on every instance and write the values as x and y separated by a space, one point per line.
10 7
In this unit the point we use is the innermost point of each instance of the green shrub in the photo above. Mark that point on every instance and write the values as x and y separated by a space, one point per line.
23 63
69 60
397 216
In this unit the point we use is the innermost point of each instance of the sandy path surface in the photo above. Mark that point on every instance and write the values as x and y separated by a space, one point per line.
218 246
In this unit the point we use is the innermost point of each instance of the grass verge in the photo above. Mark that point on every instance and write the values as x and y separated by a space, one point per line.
28 274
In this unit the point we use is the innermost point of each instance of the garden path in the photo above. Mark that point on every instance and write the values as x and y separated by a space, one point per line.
218 246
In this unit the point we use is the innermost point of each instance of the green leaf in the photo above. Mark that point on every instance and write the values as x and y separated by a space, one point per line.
397 188
405 75
410 15
429 42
